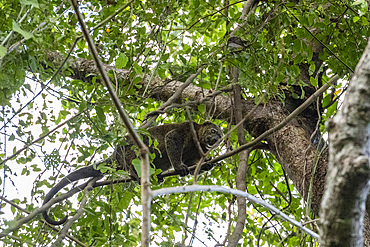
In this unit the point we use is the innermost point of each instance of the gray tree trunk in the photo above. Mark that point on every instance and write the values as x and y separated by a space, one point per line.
347 184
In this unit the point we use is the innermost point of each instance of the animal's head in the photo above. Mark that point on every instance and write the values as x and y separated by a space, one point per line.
209 134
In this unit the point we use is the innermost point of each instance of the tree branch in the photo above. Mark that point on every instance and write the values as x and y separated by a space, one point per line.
222 189
242 168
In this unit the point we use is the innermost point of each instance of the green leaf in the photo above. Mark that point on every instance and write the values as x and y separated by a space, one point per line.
136 163
33 63
364 21
356 18
162 73
281 187
314 82
100 113
183 60
25 171
82 106
312 68
34 3
12 137
331 109
326 100
2 51
298 59
138 69
290 4
201 108
25 34
104 168
358 2
121 61
125 199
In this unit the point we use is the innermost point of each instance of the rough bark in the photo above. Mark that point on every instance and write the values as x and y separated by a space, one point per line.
347 186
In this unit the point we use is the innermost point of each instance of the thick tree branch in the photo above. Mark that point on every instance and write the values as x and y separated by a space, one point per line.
283 123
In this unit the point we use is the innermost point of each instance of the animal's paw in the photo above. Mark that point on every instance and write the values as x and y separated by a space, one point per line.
160 178
183 170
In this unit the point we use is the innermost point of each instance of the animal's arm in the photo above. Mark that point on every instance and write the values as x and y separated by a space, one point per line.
175 142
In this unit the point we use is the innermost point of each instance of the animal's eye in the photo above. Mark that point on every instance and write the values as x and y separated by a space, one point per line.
213 131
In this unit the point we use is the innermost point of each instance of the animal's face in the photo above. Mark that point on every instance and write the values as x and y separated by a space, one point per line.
209 134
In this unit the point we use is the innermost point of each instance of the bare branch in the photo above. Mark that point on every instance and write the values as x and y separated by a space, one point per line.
144 151
222 189
242 169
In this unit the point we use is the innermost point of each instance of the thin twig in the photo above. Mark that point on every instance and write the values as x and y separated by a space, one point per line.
194 133
196 219
186 219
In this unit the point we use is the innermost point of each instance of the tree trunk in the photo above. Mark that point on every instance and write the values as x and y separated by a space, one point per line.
347 186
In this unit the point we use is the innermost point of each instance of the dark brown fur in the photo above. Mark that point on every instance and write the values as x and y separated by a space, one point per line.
175 143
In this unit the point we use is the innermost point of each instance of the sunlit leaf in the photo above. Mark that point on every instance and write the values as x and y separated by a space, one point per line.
25 34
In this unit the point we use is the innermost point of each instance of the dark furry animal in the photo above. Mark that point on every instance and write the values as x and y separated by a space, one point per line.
176 147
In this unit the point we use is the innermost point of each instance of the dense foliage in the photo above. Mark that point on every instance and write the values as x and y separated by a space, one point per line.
167 39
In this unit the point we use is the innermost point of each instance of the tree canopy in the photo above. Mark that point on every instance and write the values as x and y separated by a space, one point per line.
270 73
